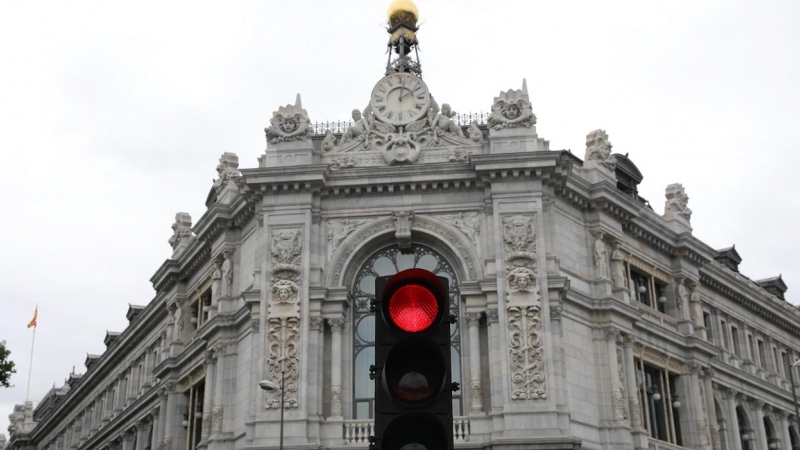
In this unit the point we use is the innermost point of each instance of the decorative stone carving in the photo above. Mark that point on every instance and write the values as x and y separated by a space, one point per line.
677 205
473 319
216 419
512 109
469 224
492 316
284 316
289 123
181 228
523 309
611 333
402 223
329 142
702 424
227 170
620 409
339 229
457 154
683 294
475 133
177 317
600 257
227 275
598 151
400 146
216 283
442 121
555 312
695 307
315 323
360 128
618 276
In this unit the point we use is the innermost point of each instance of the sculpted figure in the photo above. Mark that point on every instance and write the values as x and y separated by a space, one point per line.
600 256
359 129
227 272
216 288
443 120
617 269
677 204
177 316
475 133
329 142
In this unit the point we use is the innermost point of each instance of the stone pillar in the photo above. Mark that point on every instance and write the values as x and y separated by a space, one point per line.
219 394
337 325
473 320
208 393
162 415
141 437
127 440
713 420
633 389
170 413
787 440
698 410
495 370
617 399
758 406
736 434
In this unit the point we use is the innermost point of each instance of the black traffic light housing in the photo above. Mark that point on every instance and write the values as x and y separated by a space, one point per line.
413 385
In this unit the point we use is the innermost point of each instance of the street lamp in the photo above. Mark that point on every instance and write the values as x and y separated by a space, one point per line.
794 392
268 385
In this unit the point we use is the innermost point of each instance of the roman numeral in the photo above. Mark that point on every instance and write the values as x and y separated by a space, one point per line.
379 99
421 97
390 115
400 116
381 108
418 106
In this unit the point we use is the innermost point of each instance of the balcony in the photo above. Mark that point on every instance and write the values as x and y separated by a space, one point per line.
357 432
657 317
655 444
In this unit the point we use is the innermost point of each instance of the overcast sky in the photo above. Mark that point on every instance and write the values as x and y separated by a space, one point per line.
113 116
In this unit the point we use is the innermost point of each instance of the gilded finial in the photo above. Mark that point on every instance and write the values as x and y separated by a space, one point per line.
402 11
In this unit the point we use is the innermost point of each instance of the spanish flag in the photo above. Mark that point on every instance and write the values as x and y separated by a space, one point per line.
32 323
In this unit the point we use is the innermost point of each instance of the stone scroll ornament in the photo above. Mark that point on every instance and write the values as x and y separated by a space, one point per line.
289 123
523 307
598 151
284 316
512 109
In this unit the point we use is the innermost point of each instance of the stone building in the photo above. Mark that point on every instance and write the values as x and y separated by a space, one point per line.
587 319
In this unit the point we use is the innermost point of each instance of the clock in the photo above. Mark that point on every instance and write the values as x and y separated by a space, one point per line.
400 98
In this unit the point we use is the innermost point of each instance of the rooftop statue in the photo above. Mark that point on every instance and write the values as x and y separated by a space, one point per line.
289 123
512 109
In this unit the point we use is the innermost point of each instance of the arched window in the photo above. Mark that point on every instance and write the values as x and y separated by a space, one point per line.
389 262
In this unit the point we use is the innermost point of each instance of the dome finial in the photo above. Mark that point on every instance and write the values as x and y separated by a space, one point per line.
402 11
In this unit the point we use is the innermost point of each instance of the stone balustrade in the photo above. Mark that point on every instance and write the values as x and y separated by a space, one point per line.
357 432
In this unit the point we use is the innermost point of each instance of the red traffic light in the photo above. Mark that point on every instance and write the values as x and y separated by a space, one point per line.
413 308
416 300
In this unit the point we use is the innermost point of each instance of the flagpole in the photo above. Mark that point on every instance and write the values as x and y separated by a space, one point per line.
30 366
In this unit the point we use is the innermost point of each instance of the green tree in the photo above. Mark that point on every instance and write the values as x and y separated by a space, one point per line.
6 365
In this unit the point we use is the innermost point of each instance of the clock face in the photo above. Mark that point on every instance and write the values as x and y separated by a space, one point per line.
400 98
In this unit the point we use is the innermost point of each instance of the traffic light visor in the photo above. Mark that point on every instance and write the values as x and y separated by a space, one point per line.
415 370
415 300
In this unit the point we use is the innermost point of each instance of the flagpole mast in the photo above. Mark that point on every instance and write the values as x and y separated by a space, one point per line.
30 366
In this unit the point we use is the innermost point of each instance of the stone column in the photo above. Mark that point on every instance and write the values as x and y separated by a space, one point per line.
736 434
713 420
495 371
698 410
219 394
617 400
208 394
758 406
162 415
337 325
141 439
638 431
787 440
473 319
127 440
169 415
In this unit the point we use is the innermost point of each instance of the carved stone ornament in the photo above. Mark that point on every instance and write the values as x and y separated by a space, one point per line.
469 224
402 223
284 316
523 309
289 123
677 205
600 257
475 133
526 353
181 228
339 229
336 398
618 275
473 319
512 109
623 413
555 312
216 419
329 142
598 150
227 170
399 143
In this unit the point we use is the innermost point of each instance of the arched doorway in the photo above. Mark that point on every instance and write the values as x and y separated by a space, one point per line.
746 431
722 428
772 437
386 262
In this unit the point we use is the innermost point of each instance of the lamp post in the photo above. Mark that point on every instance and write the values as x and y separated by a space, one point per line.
268 385
794 392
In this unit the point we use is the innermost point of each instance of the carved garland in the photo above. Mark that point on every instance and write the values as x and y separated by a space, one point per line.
284 316
523 309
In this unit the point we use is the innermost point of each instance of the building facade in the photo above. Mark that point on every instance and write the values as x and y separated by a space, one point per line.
586 319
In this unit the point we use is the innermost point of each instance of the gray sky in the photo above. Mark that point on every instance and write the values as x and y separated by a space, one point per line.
113 116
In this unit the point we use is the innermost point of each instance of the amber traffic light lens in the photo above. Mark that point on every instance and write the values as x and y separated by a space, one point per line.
413 308
415 370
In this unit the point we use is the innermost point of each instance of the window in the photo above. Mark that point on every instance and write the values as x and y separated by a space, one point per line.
388 262
198 308
786 365
648 290
737 346
193 415
775 360
751 347
762 354
707 323
657 387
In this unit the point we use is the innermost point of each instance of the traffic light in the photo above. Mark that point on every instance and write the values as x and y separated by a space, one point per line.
413 386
